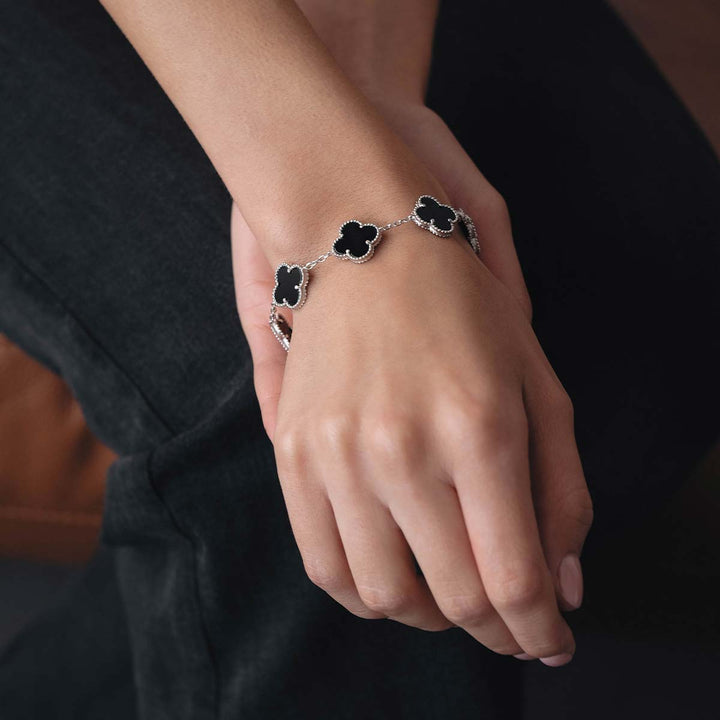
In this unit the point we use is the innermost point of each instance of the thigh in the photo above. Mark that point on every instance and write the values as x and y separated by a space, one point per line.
115 271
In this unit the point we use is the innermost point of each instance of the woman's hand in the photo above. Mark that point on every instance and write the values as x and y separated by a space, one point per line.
414 408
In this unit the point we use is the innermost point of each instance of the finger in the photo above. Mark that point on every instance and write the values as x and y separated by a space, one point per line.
492 479
315 529
378 554
432 522
562 501
254 282
382 564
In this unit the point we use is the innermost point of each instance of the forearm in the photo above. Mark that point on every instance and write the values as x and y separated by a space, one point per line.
296 143
384 47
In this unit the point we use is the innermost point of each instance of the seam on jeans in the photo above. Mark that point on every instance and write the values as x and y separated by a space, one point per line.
152 410
197 595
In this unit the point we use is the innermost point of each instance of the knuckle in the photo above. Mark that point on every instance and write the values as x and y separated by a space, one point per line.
517 591
466 610
289 448
386 600
336 431
578 507
393 438
496 205
365 613
462 419
488 425
499 431
326 576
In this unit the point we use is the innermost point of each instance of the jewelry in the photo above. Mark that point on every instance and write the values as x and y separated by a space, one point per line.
356 241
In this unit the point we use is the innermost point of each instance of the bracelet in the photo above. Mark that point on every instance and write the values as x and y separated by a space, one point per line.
356 242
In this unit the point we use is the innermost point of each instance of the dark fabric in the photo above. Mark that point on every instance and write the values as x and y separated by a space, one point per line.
115 272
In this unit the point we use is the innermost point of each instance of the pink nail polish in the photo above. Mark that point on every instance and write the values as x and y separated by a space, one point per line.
524 656
571 580
557 660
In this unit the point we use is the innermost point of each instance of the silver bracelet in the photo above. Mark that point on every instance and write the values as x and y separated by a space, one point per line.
356 242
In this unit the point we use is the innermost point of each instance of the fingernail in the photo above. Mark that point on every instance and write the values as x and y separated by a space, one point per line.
571 580
557 660
524 656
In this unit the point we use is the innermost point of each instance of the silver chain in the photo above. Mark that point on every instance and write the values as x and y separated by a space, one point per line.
279 325
310 265
395 223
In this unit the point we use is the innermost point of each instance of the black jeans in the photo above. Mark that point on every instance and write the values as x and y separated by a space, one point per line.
115 272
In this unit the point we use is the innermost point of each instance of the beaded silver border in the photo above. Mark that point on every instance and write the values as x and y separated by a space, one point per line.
371 247
282 337
302 287
431 225
471 230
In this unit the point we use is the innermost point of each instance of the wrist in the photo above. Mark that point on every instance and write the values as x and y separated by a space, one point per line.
401 266
305 225
402 272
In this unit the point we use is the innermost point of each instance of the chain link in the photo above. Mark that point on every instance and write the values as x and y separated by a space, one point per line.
395 223
310 265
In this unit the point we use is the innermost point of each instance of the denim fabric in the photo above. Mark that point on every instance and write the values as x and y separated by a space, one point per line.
115 272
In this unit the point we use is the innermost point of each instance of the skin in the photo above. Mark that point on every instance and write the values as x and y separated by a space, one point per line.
404 421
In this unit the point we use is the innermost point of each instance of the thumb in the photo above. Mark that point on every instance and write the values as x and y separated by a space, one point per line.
254 283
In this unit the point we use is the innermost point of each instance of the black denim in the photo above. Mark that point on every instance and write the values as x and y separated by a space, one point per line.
115 272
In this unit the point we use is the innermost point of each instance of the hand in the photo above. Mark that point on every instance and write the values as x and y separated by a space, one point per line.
372 468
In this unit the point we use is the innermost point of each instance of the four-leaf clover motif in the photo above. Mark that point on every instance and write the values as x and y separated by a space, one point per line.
290 283
432 215
356 241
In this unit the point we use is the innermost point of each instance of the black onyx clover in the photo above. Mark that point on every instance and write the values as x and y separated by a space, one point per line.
434 216
356 241
290 282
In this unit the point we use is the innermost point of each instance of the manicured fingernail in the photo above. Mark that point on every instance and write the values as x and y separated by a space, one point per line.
571 580
557 660
524 656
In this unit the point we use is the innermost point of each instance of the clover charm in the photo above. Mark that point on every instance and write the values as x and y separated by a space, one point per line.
432 215
356 241
467 226
290 285
281 329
